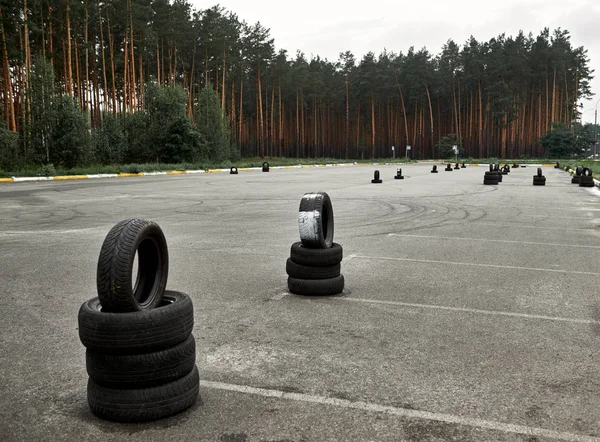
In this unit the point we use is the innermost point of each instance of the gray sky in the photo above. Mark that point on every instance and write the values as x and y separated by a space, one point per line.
328 27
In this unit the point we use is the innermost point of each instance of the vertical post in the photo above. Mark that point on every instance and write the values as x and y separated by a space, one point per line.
596 131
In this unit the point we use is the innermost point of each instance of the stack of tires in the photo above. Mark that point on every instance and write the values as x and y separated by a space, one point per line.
577 176
539 179
140 351
491 177
314 265
586 179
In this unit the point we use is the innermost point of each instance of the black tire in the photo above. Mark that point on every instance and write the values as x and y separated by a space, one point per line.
578 170
315 220
115 266
490 182
434 171
141 370
138 332
539 178
396 177
316 257
539 171
376 181
144 404
265 167
316 287
311 272
491 174
575 179
586 181
233 171
586 171
499 177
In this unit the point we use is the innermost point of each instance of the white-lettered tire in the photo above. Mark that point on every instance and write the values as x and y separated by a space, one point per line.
315 220
144 404
316 257
138 332
311 272
127 238
316 287
141 370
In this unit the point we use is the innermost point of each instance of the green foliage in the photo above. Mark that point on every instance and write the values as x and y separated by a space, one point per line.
109 142
562 142
170 136
8 147
69 139
48 170
41 93
445 146
210 120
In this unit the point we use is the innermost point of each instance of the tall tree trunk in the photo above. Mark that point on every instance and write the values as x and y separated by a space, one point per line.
430 116
132 89
50 35
9 102
297 123
241 109
223 87
403 111
111 50
69 64
126 94
104 84
372 125
260 114
347 128
87 57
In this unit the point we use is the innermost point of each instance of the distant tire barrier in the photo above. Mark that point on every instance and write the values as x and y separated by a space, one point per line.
434 169
233 170
398 175
586 179
538 178
265 167
315 220
115 267
376 179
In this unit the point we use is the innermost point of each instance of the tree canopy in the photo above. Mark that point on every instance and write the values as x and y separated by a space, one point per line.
499 97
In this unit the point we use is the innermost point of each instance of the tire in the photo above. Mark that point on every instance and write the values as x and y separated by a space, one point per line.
539 178
316 287
575 179
491 174
490 182
315 220
142 370
115 266
311 272
499 177
265 167
316 257
578 170
233 171
539 171
144 331
586 181
586 171
144 404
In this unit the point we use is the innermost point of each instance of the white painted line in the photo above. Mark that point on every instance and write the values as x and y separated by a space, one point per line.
476 264
470 310
349 257
280 296
17 179
453 238
402 412
196 171
523 226
103 175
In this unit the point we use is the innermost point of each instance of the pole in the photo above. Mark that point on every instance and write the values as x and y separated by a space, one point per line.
595 131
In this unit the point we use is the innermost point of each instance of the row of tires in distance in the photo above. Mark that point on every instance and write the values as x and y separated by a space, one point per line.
140 352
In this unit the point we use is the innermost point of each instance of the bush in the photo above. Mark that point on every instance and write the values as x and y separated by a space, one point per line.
445 146
109 142
9 143
48 170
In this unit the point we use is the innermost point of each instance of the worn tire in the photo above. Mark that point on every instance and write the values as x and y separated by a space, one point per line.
578 170
311 272
575 179
586 181
115 266
316 287
138 332
316 257
144 404
141 370
490 182
315 220
233 170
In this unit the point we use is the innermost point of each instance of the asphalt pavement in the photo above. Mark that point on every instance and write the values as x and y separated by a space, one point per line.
470 312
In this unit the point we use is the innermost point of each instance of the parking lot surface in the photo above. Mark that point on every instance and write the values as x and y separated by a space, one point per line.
470 312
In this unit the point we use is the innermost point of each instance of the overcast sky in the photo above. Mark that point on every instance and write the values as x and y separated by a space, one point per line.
328 27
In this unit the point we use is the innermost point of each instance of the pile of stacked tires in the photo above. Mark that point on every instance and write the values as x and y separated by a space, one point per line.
586 179
314 265
492 177
538 178
140 351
